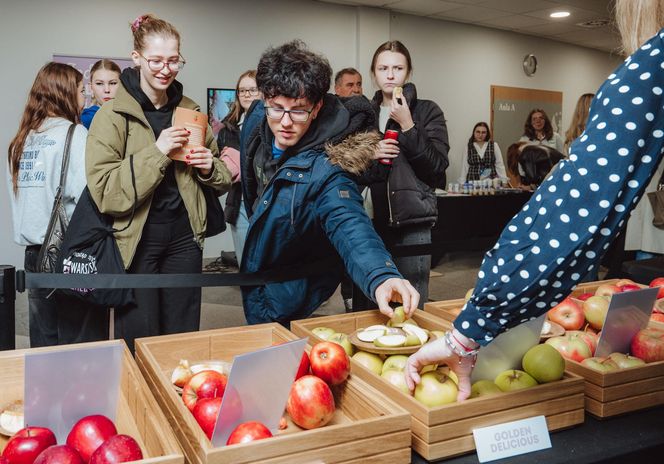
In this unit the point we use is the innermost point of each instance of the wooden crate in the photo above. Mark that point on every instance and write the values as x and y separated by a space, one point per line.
618 392
138 413
447 430
366 427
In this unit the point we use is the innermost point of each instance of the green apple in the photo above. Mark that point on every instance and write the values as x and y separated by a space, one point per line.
623 361
438 333
429 368
390 341
484 388
544 363
343 340
448 372
323 332
436 389
397 378
412 340
368 336
399 315
601 364
369 360
419 332
396 361
513 380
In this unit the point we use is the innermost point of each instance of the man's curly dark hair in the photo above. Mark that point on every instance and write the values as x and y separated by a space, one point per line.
292 70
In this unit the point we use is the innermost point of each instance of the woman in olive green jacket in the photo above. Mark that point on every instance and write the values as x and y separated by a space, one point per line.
168 228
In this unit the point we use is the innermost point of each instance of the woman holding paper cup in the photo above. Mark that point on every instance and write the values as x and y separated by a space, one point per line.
167 231
562 232
409 166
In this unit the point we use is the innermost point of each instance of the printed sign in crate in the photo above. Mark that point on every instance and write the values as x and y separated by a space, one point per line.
138 414
366 427
447 430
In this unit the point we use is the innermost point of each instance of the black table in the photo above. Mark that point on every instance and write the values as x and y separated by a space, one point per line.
472 223
637 437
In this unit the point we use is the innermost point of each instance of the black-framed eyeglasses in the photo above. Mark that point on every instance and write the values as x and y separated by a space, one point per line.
248 92
295 115
158 65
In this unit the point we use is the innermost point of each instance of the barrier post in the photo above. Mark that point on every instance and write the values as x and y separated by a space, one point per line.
8 308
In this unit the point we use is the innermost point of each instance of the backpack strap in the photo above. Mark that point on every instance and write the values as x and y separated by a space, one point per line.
65 160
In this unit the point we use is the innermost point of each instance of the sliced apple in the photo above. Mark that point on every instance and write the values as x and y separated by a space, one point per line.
412 340
418 332
369 336
377 327
390 341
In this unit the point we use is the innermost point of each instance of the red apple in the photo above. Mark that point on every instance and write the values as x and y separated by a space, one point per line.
248 431
584 296
304 366
590 338
595 309
59 454
571 347
607 290
621 282
310 402
118 448
659 317
205 384
27 444
629 288
330 362
648 344
89 433
205 412
3 460
568 314
658 282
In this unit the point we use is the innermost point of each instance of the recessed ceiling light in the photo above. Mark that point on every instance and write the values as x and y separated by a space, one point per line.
560 14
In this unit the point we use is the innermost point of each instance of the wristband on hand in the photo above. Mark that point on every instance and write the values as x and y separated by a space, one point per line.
458 348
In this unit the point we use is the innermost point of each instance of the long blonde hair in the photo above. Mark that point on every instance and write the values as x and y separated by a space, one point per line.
637 21
236 111
578 124
53 94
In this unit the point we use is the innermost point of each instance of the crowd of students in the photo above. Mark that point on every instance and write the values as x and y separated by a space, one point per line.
318 182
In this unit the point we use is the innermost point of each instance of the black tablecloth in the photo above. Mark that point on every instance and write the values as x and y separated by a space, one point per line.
470 223
632 438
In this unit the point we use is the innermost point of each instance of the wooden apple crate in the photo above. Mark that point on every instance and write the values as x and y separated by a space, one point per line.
366 427
447 430
450 309
138 413
608 394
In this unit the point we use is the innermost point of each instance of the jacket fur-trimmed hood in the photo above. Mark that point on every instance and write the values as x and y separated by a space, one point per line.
354 154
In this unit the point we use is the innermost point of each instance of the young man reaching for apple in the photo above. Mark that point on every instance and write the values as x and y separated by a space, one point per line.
301 148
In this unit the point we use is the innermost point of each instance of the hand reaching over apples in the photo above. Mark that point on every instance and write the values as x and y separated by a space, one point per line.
438 352
400 290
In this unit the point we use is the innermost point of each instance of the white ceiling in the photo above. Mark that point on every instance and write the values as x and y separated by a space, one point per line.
523 16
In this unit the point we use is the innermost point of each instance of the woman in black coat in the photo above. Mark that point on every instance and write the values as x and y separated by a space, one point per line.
408 168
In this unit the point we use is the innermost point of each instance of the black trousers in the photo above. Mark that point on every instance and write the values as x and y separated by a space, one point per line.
56 319
164 249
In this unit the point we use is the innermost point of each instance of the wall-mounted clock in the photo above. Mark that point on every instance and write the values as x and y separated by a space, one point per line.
530 64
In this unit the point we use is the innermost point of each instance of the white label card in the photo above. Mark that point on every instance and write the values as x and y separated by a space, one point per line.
511 438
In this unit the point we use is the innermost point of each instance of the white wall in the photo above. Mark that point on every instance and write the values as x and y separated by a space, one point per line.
454 64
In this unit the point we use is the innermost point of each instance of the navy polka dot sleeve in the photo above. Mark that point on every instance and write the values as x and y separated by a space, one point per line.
561 233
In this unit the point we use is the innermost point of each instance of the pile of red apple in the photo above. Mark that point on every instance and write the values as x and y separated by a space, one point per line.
93 439
310 402
583 319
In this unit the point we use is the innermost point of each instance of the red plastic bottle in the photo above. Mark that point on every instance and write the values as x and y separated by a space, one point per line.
389 134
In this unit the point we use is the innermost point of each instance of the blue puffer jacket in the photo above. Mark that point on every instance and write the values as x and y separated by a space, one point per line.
311 210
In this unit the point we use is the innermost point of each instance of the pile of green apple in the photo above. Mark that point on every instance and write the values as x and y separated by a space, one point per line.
541 364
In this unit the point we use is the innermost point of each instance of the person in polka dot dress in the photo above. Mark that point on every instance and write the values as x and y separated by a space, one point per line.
562 232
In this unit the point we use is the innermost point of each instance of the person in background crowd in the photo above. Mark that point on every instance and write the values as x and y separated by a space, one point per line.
35 156
579 119
561 233
168 228
304 207
481 158
228 141
104 81
538 130
402 193
528 165
348 83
